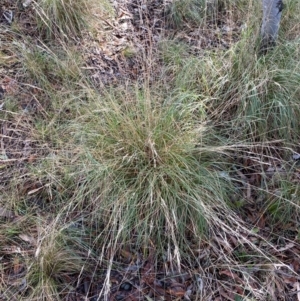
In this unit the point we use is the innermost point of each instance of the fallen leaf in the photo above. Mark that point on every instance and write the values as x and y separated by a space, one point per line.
288 246
28 238
34 190
290 280
296 265
18 266
231 275
126 254
177 290
32 158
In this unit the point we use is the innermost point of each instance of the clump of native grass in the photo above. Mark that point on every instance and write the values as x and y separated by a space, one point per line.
192 12
150 168
65 18
50 65
59 255
281 203
55 71
257 96
253 99
289 25
180 12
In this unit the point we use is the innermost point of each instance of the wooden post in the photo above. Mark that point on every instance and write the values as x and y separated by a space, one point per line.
272 10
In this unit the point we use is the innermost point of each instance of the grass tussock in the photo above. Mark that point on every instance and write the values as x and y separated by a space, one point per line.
56 261
62 18
152 165
253 93
180 12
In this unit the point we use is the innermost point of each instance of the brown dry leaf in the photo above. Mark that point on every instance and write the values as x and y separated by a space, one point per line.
231 275
29 185
261 221
289 279
28 238
177 290
32 158
127 255
296 265
18 266
233 241
34 190
287 247
9 85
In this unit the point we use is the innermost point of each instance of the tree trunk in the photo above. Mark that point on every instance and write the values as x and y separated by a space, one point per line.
270 25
